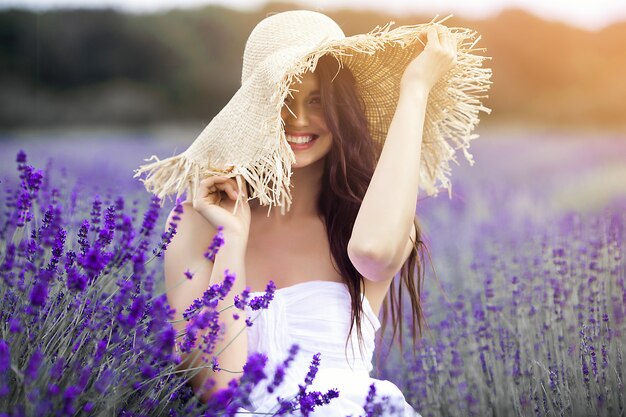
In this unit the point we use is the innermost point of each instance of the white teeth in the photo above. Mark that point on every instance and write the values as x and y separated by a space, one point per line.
299 139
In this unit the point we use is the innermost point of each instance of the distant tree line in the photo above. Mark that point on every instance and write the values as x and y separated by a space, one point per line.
187 60
103 66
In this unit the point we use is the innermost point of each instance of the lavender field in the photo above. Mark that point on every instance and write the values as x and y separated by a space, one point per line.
526 306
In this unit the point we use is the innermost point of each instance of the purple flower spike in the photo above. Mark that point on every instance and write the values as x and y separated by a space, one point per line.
68 399
178 209
253 370
241 300
5 357
166 239
21 157
76 281
15 325
227 284
279 374
211 296
35 179
39 294
83 234
369 406
151 216
32 369
315 363
57 369
216 244
136 312
263 301
105 235
309 401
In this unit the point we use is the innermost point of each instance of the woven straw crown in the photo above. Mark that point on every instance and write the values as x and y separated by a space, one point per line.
247 137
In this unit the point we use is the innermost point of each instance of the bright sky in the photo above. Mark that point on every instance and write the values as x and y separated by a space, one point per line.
591 14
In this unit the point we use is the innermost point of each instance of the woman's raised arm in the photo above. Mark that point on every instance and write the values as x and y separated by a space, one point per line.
381 238
186 253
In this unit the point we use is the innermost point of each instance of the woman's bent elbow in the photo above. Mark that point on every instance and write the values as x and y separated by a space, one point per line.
372 264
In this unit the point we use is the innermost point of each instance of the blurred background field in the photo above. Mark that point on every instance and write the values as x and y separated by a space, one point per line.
519 181
97 67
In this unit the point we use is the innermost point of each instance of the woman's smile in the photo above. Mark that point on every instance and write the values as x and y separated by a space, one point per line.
301 141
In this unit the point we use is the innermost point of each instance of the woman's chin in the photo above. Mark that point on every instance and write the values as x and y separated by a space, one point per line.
307 163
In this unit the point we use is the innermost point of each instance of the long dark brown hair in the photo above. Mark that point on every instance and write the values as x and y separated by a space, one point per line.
348 169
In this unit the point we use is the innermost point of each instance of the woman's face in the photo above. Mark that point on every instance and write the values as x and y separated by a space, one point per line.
306 128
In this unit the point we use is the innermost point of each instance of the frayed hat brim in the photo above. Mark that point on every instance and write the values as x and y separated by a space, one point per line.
247 137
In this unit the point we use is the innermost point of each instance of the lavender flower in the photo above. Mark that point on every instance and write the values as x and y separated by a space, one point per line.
241 300
151 216
83 236
231 398
216 244
5 357
32 369
315 363
369 407
15 325
310 400
211 296
279 373
262 301
39 294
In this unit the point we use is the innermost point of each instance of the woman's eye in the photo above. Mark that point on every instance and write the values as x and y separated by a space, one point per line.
315 100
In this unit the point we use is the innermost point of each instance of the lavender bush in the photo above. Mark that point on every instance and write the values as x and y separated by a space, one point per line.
83 329
542 335
525 312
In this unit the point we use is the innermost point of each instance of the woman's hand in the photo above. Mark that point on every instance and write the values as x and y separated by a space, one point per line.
437 58
216 198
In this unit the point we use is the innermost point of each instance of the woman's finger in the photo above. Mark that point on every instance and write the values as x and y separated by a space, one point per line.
451 42
210 182
229 187
433 37
206 187
448 42
213 185
444 37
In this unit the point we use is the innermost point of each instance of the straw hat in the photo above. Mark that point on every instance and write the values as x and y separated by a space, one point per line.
247 136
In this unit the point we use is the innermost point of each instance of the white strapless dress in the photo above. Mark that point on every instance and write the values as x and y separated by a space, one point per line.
316 316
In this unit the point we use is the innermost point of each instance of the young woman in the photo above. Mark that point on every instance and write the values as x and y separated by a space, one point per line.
350 228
